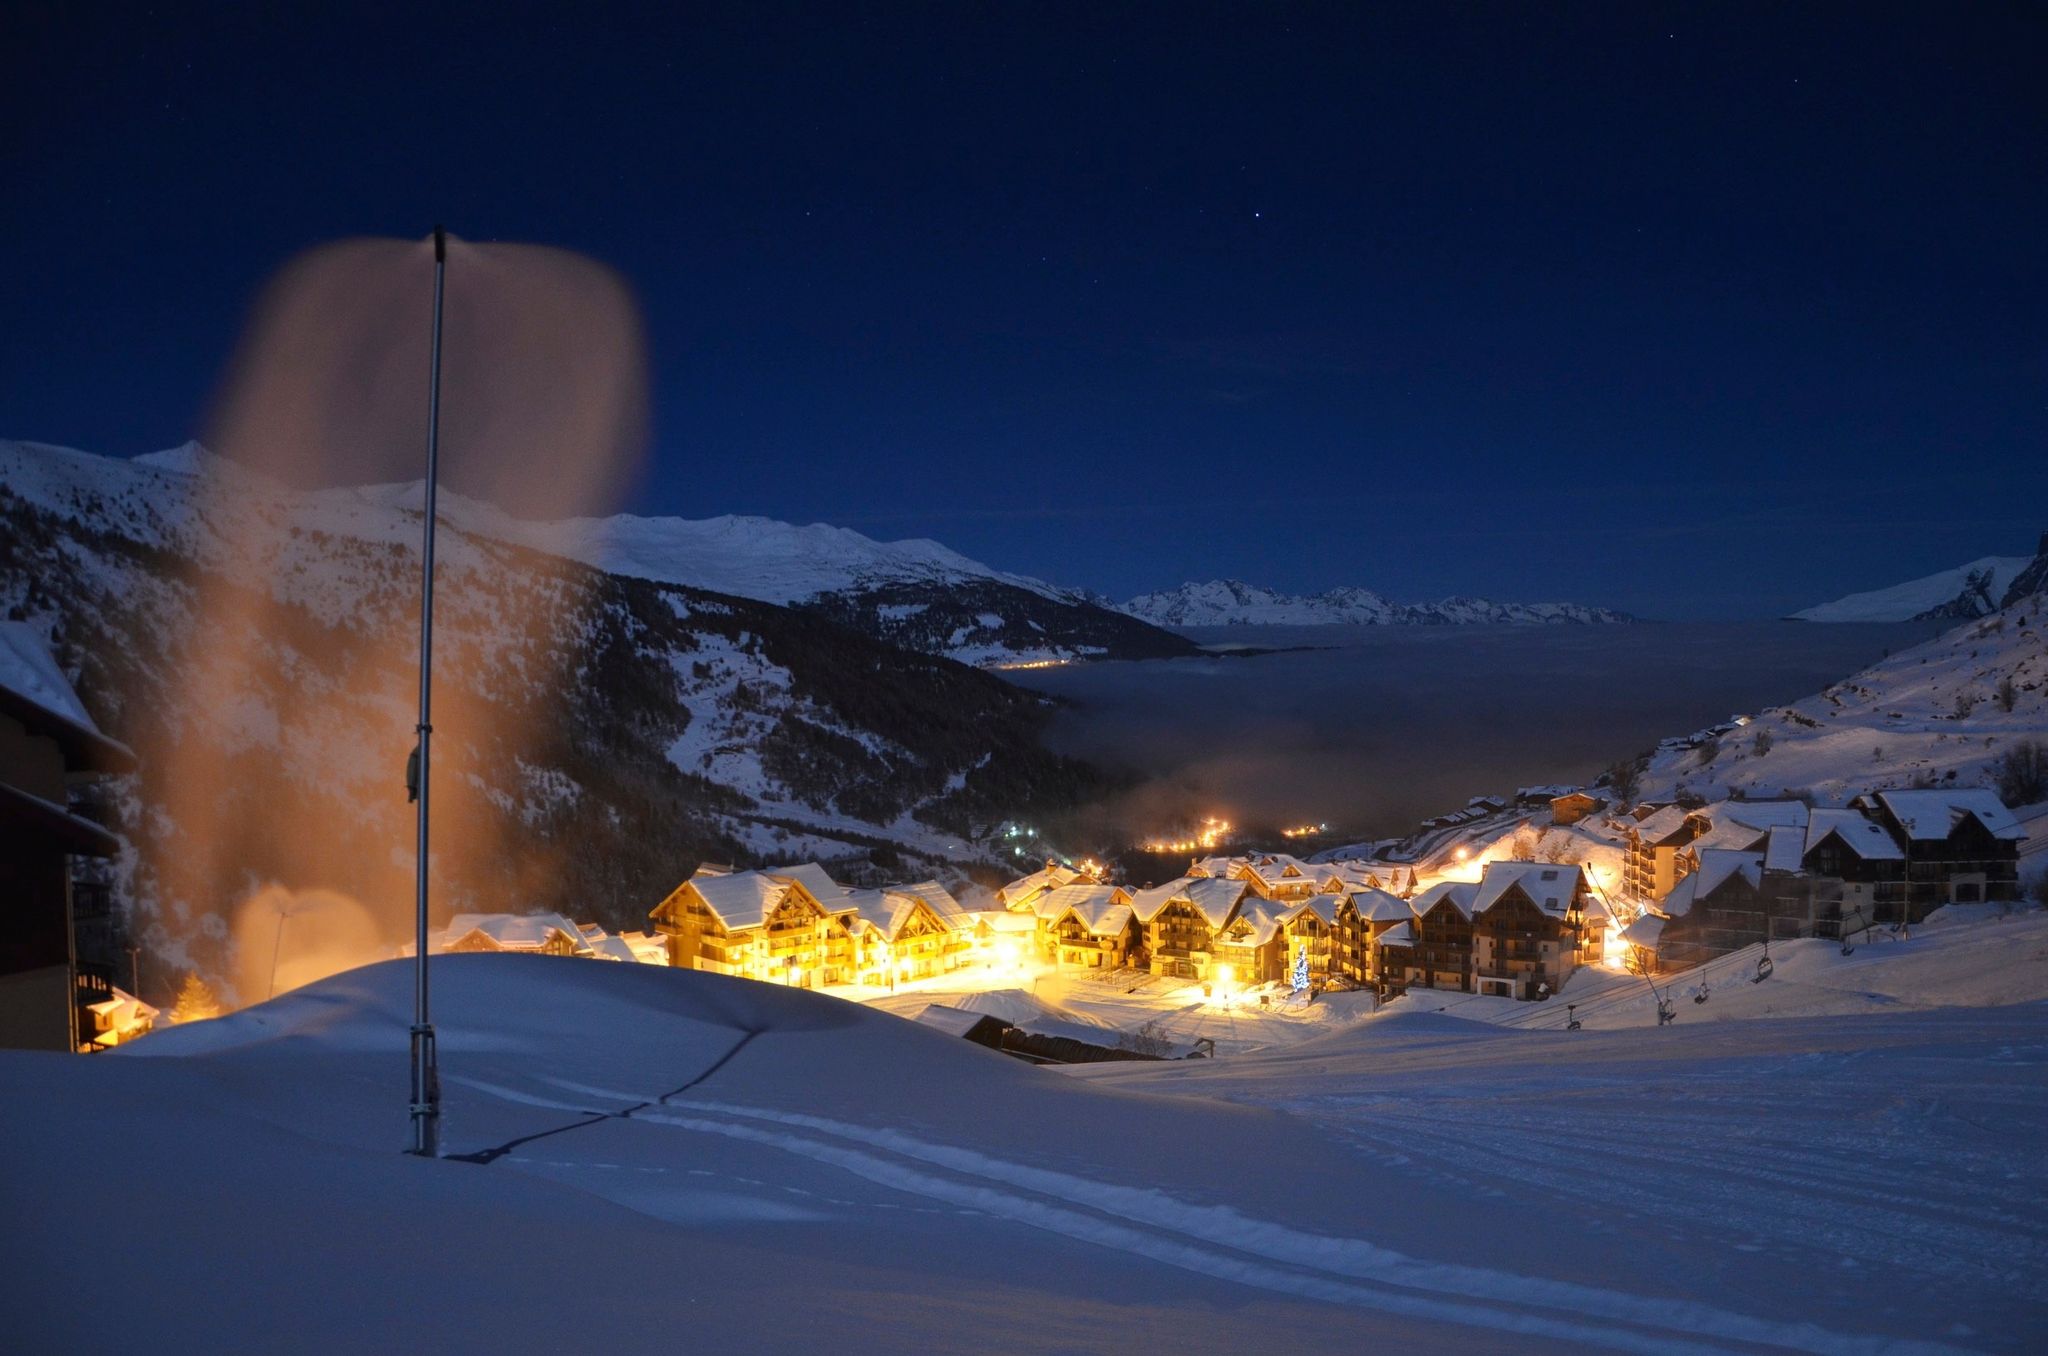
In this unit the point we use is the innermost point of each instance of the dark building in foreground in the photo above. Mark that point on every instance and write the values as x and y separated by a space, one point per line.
47 742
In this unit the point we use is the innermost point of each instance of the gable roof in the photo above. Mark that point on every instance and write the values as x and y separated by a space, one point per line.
1663 824
1322 904
835 897
1089 903
1147 903
1458 893
1048 877
743 899
950 911
1761 814
1377 906
34 691
1720 865
1933 815
1784 848
1865 837
513 931
1216 898
1550 886
1401 934
1261 917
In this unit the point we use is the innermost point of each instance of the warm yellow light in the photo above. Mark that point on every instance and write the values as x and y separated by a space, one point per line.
1225 974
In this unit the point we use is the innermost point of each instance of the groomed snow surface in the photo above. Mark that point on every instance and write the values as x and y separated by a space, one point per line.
670 1160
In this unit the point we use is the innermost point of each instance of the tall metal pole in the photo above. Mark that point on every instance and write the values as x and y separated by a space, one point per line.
426 1077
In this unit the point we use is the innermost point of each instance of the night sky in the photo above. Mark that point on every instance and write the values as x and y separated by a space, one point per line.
1699 311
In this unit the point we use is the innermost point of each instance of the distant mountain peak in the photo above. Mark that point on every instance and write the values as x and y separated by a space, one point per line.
1967 591
1232 602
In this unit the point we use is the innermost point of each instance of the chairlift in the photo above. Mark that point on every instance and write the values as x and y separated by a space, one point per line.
1701 995
1665 1016
1763 964
1571 1016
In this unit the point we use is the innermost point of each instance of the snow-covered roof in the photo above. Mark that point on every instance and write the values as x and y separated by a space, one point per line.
1322 905
1216 897
1933 815
1761 814
34 691
950 910
1260 917
1787 844
835 897
1459 893
1092 904
614 948
1377 906
1645 931
1401 934
1865 837
1147 903
1550 886
953 1021
1718 865
514 931
1048 877
1663 824
743 899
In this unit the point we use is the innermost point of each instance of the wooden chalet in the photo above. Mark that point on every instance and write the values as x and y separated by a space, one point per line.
48 744
1180 920
1532 924
1960 846
1310 929
1088 927
1441 953
1253 943
537 934
759 925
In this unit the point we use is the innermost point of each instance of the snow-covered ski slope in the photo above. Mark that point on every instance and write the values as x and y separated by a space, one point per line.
669 1160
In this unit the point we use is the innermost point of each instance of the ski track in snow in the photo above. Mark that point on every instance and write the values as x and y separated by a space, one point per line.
1220 1242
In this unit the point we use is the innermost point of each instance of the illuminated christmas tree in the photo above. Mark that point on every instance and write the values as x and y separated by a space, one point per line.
196 1001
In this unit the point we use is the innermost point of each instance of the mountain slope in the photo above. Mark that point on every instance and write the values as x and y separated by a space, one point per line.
1230 602
1932 715
1971 590
918 594
596 734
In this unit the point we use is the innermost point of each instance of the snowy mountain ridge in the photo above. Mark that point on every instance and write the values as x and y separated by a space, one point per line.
1232 602
918 593
1973 590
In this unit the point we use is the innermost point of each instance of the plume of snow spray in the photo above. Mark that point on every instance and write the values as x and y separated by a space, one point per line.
282 771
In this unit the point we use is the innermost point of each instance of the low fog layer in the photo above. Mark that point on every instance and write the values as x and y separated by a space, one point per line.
1385 725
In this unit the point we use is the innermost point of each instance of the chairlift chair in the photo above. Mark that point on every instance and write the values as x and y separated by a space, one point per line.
1764 965
1571 1016
1701 995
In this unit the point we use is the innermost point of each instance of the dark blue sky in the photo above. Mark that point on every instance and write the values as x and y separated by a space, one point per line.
1697 310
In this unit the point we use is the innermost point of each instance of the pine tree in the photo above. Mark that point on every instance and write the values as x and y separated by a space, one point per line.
196 1001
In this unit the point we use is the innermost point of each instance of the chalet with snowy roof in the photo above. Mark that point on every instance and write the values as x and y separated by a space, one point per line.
1023 892
1440 954
1960 846
537 934
1362 919
760 925
1180 919
48 746
1654 865
1309 929
1087 927
1532 924
902 937
118 1018
1570 807
1253 944
1717 908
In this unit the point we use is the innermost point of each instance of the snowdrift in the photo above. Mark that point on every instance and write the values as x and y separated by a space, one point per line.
659 1159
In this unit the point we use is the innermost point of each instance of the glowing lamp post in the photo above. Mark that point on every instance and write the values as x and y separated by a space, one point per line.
426 1076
